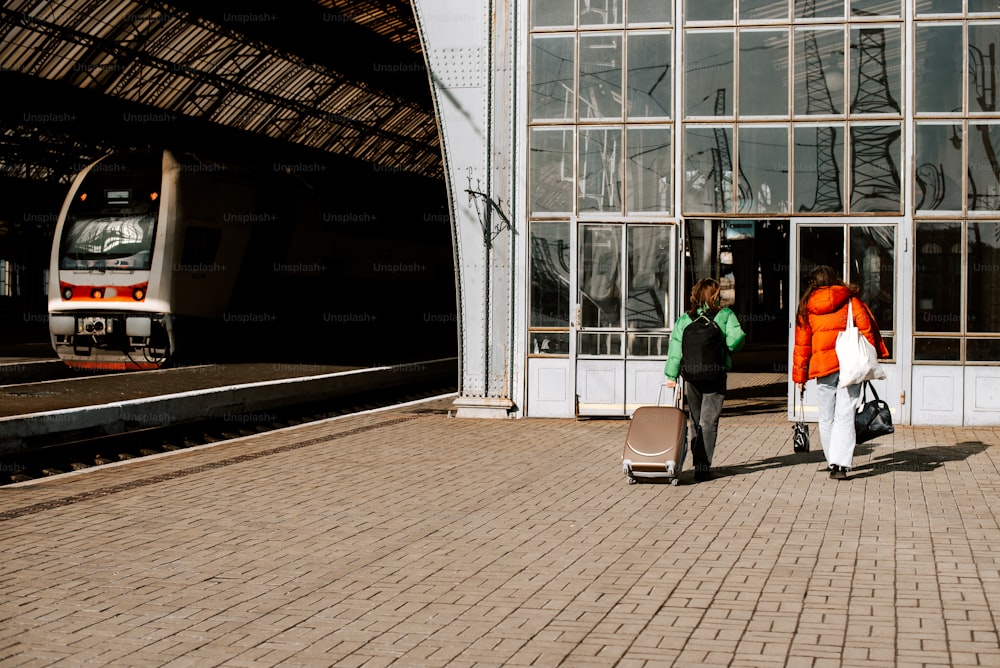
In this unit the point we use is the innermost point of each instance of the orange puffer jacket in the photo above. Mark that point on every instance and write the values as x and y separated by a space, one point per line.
815 353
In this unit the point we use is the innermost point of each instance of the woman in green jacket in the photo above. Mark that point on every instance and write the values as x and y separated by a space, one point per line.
704 377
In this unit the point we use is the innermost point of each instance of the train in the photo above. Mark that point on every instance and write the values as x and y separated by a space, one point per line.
163 256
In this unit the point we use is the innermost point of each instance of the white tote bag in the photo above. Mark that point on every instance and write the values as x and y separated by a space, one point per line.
857 357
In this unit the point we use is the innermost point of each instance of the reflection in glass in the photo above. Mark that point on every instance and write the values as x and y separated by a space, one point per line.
600 12
819 245
762 10
873 269
818 176
548 343
601 76
763 73
550 258
600 275
649 78
938 270
708 74
875 184
650 11
983 6
938 167
938 67
982 350
938 7
550 170
763 169
875 8
807 9
984 167
648 162
819 72
647 345
708 10
984 277
600 170
551 77
548 13
876 69
599 343
649 253
937 350
708 169
983 67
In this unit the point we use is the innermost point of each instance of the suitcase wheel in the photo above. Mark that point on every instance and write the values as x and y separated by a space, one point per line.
675 481
632 481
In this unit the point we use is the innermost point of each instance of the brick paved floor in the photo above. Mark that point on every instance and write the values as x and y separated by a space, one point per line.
414 539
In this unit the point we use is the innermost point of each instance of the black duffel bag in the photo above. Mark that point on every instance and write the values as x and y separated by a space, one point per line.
873 419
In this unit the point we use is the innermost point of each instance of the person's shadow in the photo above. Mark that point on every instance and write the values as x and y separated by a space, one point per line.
918 459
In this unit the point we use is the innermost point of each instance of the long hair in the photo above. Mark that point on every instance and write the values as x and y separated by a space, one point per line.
822 276
705 293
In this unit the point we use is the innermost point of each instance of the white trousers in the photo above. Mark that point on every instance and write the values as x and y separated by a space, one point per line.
836 419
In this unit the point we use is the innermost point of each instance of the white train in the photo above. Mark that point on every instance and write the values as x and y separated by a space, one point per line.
159 253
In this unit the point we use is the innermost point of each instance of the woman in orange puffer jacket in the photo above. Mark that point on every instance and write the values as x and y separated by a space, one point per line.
821 316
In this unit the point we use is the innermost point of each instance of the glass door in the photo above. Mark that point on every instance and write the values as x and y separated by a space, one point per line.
624 304
864 254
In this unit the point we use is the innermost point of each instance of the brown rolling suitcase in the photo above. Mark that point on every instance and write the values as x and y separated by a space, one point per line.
656 442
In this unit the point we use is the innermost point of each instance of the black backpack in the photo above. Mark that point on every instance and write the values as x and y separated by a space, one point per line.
703 350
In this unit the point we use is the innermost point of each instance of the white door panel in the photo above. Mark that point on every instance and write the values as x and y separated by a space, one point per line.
600 386
982 389
550 392
937 395
643 380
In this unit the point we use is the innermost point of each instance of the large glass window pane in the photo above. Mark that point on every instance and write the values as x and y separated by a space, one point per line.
876 156
601 76
982 350
938 68
551 77
763 170
550 258
938 272
866 8
649 75
983 287
708 169
549 13
938 167
708 74
938 7
819 245
600 167
600 275
873 269
984 167
763 10
819 72
708 10
763 73
650 11
648 161
818 176
600 12
810 9
984 70
550 170
983 7
937 350
877 70
649 255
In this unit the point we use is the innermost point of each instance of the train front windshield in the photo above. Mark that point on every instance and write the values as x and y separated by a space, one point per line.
111 222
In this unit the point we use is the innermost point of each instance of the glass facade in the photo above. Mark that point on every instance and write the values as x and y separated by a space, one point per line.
642 112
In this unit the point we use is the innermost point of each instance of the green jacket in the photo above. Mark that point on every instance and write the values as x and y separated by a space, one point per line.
727 322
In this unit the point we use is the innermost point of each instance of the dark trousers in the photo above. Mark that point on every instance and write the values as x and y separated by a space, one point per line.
704 402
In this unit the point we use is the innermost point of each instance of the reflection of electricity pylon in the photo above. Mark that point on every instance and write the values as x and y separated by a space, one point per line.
722 165
819 101
875 173
930 180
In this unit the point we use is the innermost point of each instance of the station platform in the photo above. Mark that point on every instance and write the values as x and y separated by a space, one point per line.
408 537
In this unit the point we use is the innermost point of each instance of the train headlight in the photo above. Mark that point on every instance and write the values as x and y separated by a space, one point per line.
138 294
67 293
97 293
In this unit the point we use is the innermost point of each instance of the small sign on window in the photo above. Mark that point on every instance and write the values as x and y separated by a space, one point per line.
118 197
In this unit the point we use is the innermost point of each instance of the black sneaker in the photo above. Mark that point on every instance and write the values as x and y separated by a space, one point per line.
838 473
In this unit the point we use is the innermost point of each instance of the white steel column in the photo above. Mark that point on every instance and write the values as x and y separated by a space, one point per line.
469 55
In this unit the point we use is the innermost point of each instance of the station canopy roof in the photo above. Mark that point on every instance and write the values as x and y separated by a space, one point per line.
345 77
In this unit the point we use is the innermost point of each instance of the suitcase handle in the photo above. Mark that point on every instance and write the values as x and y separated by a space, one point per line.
677 394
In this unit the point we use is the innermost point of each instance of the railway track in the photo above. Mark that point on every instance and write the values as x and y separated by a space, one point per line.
80 454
